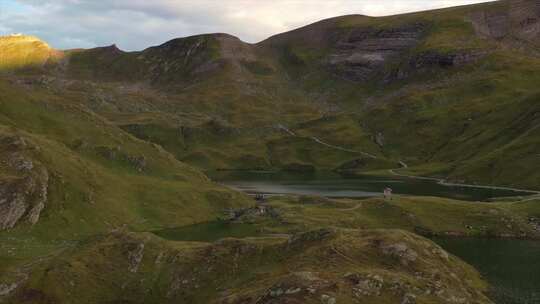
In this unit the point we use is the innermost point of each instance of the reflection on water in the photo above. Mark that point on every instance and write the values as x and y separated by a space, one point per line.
335 185
512 267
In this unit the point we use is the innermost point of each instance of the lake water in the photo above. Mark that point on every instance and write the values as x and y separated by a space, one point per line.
330 184
512 267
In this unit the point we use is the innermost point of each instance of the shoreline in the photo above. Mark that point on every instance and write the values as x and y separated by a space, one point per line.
444 182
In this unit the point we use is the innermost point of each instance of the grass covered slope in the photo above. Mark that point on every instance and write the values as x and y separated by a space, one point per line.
482 124
360 258
429 216
451 91
68 174
343 266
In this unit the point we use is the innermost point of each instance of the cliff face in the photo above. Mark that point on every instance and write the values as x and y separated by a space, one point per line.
364 51
519 19
23 193
525 19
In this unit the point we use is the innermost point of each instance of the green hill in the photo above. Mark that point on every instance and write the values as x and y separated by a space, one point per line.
451 89
100 149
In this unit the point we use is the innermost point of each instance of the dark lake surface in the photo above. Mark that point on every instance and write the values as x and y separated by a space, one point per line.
512 267
330 184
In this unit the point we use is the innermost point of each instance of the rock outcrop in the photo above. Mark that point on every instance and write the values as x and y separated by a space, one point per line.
325 266
364 51
525 19
23 184
521 20
433 59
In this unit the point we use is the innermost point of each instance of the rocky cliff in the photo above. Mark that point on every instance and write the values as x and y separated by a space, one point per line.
363 52
519 19
24 189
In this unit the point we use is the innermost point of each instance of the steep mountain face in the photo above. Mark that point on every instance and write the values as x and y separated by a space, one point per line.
521 20
434 89
179 61
353 48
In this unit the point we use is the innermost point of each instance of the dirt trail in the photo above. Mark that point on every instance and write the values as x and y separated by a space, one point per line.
443 182
319 141
352 208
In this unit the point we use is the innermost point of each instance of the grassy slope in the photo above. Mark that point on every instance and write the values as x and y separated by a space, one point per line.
62 127
476 122
248 269
334 263
241 270
483 123
479 119
424 215
91 192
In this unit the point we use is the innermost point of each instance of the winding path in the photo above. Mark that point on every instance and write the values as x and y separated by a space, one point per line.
358 206
443 182
403 165
319 141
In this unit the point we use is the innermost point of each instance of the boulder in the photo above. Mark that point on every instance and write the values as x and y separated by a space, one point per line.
401 251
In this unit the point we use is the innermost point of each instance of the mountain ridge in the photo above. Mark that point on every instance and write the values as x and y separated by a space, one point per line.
370 68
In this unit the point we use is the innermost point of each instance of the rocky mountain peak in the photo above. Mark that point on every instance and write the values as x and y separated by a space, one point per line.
14 39
18 50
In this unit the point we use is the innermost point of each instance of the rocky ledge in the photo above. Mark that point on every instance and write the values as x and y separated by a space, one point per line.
23 183
362 52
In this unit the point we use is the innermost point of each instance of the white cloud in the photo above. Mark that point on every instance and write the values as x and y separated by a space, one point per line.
136 24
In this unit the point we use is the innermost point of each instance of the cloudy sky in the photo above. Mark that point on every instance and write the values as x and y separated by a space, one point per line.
137 24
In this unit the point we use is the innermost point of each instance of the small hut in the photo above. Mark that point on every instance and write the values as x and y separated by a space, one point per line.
387 193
